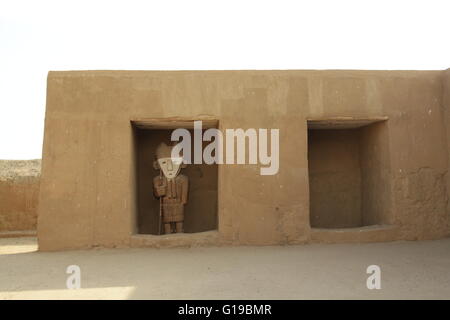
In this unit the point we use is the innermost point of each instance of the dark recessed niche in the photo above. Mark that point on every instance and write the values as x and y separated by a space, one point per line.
201 209
349 173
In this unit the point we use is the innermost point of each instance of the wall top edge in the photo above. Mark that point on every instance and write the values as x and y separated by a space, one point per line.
293 72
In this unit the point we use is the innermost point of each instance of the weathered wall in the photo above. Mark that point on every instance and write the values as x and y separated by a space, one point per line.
418 144
376 203
88 192
334 178
446 113
19 194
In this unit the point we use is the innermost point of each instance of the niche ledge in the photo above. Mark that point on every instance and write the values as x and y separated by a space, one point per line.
18 234
374 233
175 240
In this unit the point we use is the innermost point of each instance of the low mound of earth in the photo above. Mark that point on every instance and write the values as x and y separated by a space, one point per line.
13 169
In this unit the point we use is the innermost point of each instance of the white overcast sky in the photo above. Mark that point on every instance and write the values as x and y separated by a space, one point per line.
40 35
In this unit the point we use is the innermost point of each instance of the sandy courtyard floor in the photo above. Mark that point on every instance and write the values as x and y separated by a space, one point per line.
409 270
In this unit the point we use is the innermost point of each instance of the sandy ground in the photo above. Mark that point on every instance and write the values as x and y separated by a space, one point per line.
409 270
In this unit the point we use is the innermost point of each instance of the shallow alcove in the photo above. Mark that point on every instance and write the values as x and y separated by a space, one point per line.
201 208
349 173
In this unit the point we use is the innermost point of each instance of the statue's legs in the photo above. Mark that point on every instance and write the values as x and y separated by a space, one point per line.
167 228
179 227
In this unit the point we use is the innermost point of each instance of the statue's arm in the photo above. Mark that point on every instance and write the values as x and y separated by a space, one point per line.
159 187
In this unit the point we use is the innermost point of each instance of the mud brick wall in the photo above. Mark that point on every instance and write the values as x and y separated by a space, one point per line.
88 186
19 194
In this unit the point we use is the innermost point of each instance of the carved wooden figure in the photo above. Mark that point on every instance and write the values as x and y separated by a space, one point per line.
171 188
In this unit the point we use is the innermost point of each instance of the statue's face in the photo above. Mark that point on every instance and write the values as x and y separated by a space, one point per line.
170 166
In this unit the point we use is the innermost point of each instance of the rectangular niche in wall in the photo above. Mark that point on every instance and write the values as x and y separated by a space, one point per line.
349 172
201 209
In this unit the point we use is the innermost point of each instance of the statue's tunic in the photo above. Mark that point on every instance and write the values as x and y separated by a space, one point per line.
174 194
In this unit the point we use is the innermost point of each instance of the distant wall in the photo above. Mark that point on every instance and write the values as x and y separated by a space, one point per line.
19 194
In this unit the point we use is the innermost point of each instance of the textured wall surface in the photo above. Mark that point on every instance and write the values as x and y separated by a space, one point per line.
88 186
376 202
19 194
446 112
335 178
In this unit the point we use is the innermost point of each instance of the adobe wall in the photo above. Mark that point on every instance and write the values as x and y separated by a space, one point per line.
19 195
88 186
376 198
446 106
